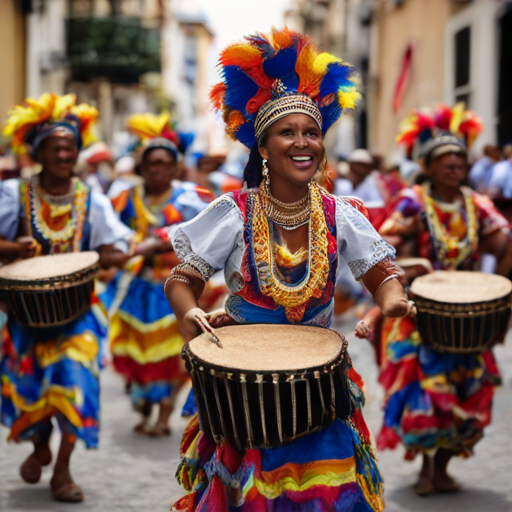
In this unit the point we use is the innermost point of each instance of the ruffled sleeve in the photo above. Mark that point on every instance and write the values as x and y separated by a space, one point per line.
106 228
358 242
9 209
213 240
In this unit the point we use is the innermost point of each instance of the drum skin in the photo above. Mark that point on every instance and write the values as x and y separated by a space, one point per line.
61 294
253 409
457 326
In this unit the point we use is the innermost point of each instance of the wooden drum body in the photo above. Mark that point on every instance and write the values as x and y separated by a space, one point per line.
269 384
50 290
462 312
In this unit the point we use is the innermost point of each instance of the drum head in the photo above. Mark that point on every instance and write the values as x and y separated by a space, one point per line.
47 267
269 347
454 287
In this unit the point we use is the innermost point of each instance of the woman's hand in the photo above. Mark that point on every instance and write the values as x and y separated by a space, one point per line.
362 330
151 246
189 326
399 307
27 247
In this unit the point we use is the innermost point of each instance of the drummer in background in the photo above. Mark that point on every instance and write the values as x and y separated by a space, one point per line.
438 402
53 372
282 231
143 330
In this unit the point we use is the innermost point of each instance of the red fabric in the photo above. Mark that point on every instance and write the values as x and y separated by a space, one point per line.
404 78
169 370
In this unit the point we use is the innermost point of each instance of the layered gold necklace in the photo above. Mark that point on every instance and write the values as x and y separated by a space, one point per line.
292 297
286 215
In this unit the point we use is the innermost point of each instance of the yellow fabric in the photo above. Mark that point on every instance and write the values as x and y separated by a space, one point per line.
82 348
150 344
310 479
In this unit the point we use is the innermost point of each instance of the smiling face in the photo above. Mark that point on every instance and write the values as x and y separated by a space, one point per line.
294 149
58 155
158 170
448 171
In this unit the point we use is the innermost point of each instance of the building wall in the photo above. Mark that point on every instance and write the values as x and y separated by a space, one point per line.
12 56
423 23
482 16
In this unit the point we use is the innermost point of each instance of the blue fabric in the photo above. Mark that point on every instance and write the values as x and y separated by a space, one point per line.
333 442
64 372
145 301
190 407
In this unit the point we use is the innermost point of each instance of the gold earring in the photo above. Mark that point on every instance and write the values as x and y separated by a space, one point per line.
265 172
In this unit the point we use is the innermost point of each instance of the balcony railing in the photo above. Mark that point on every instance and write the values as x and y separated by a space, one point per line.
117 48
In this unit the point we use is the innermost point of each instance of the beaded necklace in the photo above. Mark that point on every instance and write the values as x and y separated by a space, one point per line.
292 297
69 237
444 243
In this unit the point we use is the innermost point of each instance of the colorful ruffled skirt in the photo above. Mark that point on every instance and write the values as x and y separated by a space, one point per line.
145 340
330 470
50 372
433 400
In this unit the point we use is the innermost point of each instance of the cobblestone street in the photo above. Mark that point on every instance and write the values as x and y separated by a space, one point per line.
129 473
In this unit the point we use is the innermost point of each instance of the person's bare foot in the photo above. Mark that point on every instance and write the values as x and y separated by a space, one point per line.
424 487
142 427
63 488
160 430
445 483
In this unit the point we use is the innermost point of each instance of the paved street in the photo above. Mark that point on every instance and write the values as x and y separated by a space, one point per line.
130 473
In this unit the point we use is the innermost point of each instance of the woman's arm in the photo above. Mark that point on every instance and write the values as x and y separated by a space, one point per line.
387 291
183 291
499 245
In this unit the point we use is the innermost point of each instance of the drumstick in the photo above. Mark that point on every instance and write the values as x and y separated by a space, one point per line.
208 329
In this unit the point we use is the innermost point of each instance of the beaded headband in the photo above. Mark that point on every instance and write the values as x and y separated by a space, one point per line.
289 103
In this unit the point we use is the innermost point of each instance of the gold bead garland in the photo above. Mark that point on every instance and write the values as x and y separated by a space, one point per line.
292 298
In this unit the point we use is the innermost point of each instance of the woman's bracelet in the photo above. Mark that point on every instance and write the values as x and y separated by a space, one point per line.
176 277
394 276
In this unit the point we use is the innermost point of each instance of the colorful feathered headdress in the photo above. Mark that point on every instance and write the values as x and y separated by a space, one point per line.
423 125
268 77
33 121
157 131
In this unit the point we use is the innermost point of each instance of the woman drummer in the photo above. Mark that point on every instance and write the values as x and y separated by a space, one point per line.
438 403
143 330
279 96
53 372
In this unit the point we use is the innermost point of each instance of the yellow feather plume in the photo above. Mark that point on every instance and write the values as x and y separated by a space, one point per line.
148 126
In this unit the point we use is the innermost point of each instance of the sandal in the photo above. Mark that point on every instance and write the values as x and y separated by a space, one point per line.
68 493
160 430
31 470
141 429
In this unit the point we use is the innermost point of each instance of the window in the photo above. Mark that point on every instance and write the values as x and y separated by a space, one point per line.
462 69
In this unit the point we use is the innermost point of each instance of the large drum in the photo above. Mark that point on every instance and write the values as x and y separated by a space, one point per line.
50 290
462 312
269 384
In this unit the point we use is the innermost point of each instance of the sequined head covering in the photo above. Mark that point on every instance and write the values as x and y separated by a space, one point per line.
266 78
30 123
425 131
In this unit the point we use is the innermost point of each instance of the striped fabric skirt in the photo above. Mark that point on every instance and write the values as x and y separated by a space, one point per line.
145 341
52 372
433 400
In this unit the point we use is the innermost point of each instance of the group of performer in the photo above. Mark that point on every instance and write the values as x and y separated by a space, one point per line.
281 240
